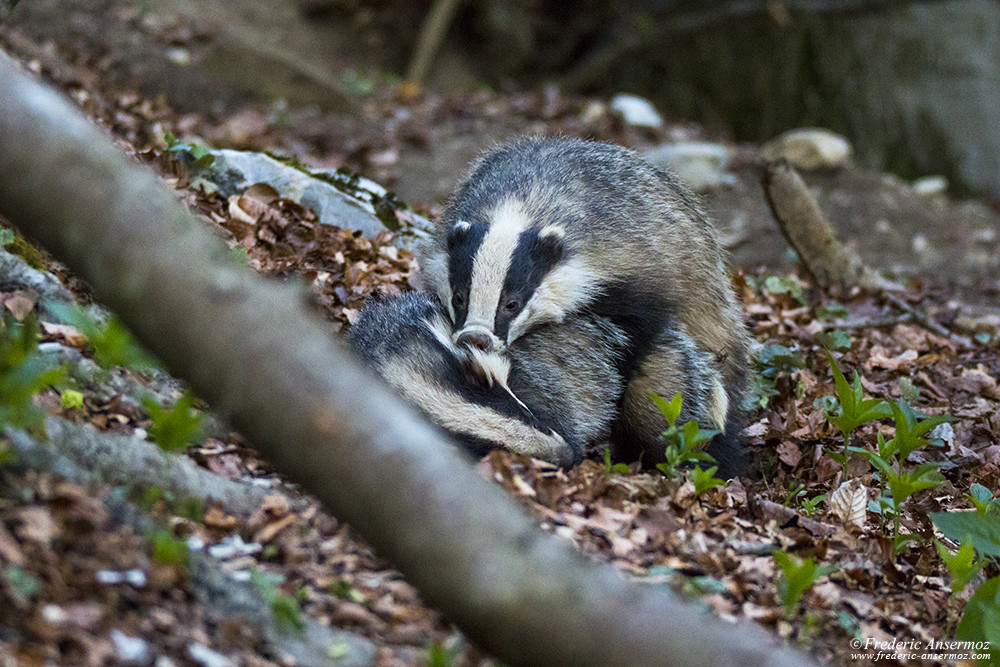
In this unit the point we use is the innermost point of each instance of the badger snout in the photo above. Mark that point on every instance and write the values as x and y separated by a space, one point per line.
480 340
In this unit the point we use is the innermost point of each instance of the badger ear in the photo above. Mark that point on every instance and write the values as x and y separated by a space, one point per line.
458 233
550 243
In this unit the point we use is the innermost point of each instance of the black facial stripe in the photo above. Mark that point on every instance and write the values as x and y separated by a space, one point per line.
643 316
533 258
460 260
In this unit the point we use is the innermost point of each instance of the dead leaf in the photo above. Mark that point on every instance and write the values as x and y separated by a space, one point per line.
849 503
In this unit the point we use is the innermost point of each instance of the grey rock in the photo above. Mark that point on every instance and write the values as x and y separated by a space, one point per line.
929 186
701 165
636 111
350 204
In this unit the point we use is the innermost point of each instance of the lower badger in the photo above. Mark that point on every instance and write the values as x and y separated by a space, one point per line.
557 389
546 230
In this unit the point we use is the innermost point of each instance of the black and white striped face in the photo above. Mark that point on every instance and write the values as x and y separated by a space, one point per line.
500 274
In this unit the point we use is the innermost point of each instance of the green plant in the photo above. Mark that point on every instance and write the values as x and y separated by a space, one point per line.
854 409
705 480
983 499
112 343
786 285
981 619
197 157
910 430
798 576
832 310
177 427
810 504
23 373
771 360
795 489
834 340
439 656
285 607
962 565
981 529
684 444
610 467
71 399
169 550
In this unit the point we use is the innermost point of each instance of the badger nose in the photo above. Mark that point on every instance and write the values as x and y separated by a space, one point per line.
476 339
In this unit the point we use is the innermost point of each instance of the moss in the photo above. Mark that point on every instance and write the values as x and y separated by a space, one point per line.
29 253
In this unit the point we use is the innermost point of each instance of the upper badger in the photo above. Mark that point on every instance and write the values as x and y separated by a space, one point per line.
545 229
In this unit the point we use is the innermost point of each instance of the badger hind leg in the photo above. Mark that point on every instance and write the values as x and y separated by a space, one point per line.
675 365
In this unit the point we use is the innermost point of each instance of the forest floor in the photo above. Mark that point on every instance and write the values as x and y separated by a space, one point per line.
65 590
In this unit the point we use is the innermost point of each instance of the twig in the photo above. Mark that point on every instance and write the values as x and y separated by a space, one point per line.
927 322
870 323
432 33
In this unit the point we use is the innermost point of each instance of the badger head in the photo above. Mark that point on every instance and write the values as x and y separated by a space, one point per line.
504 274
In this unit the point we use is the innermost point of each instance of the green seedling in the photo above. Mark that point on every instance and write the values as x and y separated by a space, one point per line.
902 485
195 156
795 489
705 480
285 607
983 499
684 444
610 467
177 427
810 504
169 550
786 285
962 565
854 411
981 619
23 373
771 360
910 431
798 577
112 343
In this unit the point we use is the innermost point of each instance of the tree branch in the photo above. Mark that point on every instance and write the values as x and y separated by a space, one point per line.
253 349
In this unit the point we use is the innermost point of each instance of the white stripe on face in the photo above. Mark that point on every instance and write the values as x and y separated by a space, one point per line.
489 269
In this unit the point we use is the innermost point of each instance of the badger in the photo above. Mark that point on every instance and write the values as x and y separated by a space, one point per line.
554 391
543 231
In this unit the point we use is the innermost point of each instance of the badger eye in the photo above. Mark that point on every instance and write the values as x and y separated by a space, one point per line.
458 299
512 305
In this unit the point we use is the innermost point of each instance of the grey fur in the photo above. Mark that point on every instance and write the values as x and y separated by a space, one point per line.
563 413
640 253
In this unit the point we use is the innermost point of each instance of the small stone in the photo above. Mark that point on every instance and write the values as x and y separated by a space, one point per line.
809 149
593 113
882 226
920 244
54 614
929 186
130 649
985 235
207 657
701 165
636 111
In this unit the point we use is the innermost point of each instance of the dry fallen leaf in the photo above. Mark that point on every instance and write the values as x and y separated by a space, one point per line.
849 503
